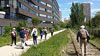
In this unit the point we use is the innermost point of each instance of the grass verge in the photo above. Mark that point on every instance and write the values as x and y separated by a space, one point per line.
51 47
6 40
95 40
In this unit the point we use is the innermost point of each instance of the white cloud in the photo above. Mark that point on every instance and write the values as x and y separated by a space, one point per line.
72 2
95 10
89 2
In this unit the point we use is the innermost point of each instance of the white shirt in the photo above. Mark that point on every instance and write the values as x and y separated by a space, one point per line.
34 29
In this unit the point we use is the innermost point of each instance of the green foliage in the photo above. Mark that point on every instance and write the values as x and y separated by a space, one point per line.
7 30
22 23
68 25
96 20
51 47
77 14
55 27
1 8
35 21
62 24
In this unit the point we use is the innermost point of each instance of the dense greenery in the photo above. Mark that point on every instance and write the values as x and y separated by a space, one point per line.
55 27
96 20
51 47
1 8
22 23
35 21
77 14
62 24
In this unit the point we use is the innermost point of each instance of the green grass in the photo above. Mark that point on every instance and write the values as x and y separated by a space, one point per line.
51 47
6 40
95 40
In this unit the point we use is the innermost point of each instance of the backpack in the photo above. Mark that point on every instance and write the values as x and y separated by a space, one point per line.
83 34
12 34
34 33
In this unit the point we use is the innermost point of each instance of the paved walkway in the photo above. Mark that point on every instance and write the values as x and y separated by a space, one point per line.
17 51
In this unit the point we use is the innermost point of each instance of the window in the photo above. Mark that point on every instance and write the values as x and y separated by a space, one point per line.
49 5
40 8
49 11
42 15
43 3
50 17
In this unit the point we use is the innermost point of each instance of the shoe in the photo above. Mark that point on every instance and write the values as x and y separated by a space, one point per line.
25 44
22 48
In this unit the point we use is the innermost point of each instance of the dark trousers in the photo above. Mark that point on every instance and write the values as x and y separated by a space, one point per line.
13 40
41 36
35 40
45 36
51 33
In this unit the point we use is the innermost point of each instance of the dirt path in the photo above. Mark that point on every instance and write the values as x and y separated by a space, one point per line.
73 49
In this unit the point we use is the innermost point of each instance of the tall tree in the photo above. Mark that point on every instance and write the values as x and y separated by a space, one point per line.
77 14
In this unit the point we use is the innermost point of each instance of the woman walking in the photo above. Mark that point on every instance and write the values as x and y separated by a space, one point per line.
34 35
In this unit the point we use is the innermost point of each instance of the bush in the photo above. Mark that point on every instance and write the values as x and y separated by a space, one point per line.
22 23
62 24
55 27
35 21
7 30
1 8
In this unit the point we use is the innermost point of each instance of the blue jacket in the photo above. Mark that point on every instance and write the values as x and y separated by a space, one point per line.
22 34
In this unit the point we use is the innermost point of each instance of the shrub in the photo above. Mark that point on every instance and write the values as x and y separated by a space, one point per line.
22 23
1 8
35 21
55 27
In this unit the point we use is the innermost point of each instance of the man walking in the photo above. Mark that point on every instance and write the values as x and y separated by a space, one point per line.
83 34
13 36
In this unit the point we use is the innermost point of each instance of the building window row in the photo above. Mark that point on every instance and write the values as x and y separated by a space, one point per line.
43 3
31 4
28 9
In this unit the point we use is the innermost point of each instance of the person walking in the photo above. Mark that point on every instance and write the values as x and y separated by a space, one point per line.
13 36
34 35
45 33
52 30
84 35
41 33
27 33
22 37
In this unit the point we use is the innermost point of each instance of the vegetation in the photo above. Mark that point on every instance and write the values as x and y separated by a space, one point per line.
96 20
6 40
35 21
51 47
55 27
77 14
22 23
95 40
1 8
62 24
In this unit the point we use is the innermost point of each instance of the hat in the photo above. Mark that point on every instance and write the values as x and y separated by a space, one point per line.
82 27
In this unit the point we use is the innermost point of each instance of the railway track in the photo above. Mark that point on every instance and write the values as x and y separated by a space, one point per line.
73 48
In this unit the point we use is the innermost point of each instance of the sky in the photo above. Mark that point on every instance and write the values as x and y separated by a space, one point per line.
65 6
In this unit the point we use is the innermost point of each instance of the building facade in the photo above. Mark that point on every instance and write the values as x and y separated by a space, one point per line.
46 10
87 11
60 13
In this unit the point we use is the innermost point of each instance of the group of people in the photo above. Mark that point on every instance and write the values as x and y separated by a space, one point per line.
24 35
